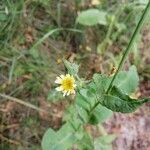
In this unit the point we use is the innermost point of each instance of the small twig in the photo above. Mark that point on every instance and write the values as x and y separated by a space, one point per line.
22 103
19 101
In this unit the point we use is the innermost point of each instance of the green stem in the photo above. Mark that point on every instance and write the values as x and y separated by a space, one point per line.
59 14
138 27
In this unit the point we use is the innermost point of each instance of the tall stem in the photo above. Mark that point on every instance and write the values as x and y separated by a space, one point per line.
138 27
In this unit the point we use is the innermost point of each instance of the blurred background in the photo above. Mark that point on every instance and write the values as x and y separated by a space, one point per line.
34 37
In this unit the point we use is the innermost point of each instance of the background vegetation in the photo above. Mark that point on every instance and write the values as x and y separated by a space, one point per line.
34 37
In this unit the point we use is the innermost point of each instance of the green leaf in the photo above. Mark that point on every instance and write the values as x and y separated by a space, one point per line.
120 102
127 81
102 82
100 114
142 2
104 142
87 98
83 114
71 115
54 96
71 67
48 139
84 100
85 143
107 139
92 17
60 140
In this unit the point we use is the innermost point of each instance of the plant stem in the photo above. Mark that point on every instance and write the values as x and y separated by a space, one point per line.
138 27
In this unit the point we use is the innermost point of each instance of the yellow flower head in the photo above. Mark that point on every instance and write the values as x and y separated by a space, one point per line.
67 84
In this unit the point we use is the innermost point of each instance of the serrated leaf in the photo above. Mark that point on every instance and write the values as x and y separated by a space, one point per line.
107 139
71 67
100 114
120 102
92 17
83 100
48 139
71 115
85 143
104 142
61 140
102 82
87 99
83 114
99 146
127 81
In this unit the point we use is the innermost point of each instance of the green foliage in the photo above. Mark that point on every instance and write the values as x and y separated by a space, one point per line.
92 17
77 115
127 81
54 96
120 102
60 140
104 142
9 17
28 54
85 143
101 83
86 100
100 114
142 1
117 100
93 106
71 67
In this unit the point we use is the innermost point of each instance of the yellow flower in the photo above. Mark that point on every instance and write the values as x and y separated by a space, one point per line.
67 84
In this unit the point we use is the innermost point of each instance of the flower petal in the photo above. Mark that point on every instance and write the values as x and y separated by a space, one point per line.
73 92
68 93
74 85
58 80
59 88
68 75
62 76
65 92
